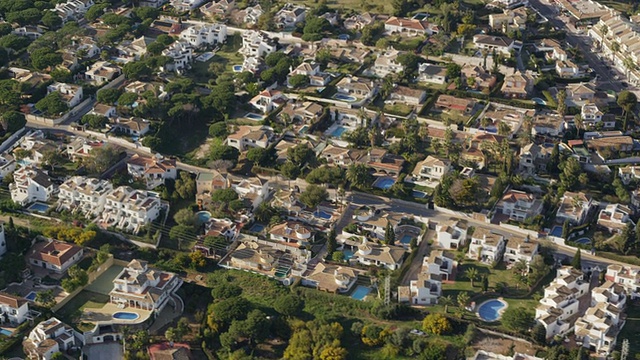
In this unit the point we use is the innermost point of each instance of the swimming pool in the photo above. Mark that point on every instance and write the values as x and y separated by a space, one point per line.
348 254
253 116
121 315
31 296
418 194
384 182
406 239
539 101
360 292
6 332
338 131
583 241
237 68
38 207
203 217
556 231
321 214
256 228
304 129
491 310
344 37
343 97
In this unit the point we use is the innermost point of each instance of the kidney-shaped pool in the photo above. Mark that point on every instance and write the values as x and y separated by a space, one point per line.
491 310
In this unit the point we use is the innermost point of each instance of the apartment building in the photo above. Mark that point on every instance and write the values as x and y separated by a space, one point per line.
203 35
615 217
129 209
73 9
486 246
451 234
627 277
181 54
49 337
31 184
84 195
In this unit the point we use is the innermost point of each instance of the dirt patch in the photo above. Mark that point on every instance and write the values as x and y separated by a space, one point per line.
203 150
499 345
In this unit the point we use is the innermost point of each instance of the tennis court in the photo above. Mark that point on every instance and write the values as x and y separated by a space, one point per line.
104 283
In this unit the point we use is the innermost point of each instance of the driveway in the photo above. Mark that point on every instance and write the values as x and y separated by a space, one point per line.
104 351
416 265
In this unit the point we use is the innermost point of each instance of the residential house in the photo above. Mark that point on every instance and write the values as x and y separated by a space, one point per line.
153 171
203 35
568 69
627 277
387 64
268 100
549 123
519 205
520 249
407 95
14 309
600 325
615 217
139 87
376 223
332 17
352 118
339 156
451 234
251 136
486 355
129 209
30 184
331 278
302 112
482 79
50 337
359 87
580 92
431 169
185 5
490 43
534 159
134 50
73 9
592 115
81 148
218 9
438 264
141 287
448 102
486 246
424 291
433 74
170 351
84 195
55 256
86 45
133 126
29 31
289 15
388 256
105 110
252 190
292 232
629 173
606 145
509 20
574 207
7 165
517 85
409 27
560 303
101 72
383 161
552 48
251 14
207 183
71 94
312 71
181 54
257 44
358 21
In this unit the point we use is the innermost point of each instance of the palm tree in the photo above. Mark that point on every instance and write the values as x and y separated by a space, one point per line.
471 274
423 133
521 267
615 47
446 301
604 29
358 175
629 65
579 123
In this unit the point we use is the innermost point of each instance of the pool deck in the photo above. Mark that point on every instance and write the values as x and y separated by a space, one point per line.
105 314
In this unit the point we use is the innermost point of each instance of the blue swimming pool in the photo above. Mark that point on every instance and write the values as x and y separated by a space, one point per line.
348 254
360 292
203 217
237 68
418 194
539 101
583 241
556 231
256 228
406 239
384 182
6 332
343 97
38 207
31 296
122 315
322 215
254 116
491 310
338 131
344 37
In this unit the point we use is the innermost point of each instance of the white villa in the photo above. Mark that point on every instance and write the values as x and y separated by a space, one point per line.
519 205
129 209
561 301
30 184
152 170
252 190
615 217
248 137
55 256
205 35
292 232
257 44
101 72
13 309
451 234
431 169
627 277
331 278
49 337
387 63
145 288
574 207
71 94
598 328
390 257
85 195
629 173
181 54
486 246
520 249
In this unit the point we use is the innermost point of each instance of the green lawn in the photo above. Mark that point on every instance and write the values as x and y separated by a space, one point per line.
398 109
631 330
85 299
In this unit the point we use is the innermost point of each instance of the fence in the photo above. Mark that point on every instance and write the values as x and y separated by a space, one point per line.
92 277
78 109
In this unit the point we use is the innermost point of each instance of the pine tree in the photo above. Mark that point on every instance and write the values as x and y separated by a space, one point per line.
576 262
566 228
485 283
331 243
11 224
389 234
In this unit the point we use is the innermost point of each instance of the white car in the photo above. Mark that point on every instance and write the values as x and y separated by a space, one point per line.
417 332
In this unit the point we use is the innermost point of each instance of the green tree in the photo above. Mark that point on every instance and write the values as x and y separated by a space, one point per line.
224 152
185 216
517 319
337 256
485 283
539 334
571 170
127 99
436 324
298 81
219 130
12 121
463 300
332 244
313 195
52 104
101 159
562 106
566 229
290 170
51 20
472 274
446 301
627 101
314 28
389 234
359 176
288 305
108 96
576 262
